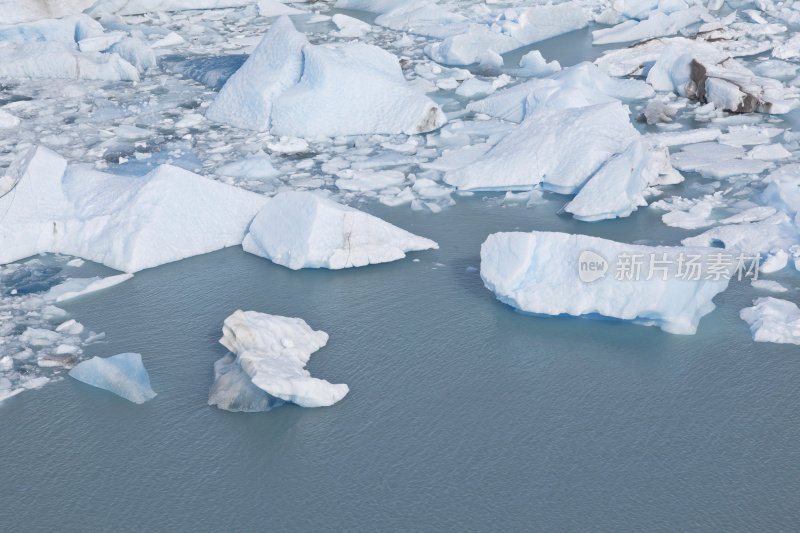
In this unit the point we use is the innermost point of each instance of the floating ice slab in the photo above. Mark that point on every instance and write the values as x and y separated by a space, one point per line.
127 223
297 89
577 86
773 320
52 59
72 288
303 230
559 149
138 7
544 272
123 374
272 351
775 232
618 188
658 24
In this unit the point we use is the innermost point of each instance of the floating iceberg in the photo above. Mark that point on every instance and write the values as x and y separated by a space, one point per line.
618 188
138 7
559 149
544 272
775 232
271 354
297 89
658 24
702 71
123 374
52 59
773 320
305 230
127 223
72 288
578 86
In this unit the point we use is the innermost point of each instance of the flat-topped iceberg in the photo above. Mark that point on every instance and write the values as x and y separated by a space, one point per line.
127 223
293 88
123 374
773 320
557 273
271 353
304 230
138 7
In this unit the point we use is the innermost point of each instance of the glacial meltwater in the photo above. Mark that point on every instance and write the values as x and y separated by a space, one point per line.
462 414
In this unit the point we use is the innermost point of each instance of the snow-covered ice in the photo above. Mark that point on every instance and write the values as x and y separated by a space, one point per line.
123 374
124 222
538 272
304 230
773 320
293 88
271 353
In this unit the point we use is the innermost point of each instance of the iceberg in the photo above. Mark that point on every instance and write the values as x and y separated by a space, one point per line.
296 89
123 374
578 86
555 273
773 320
304 230
139 7
775 232
559 149
704 72
271 353
57 60
126 223
72 288
618 188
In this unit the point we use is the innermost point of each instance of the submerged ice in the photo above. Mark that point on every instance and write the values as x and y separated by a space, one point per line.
123 374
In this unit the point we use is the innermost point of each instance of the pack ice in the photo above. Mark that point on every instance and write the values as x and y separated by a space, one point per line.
271 353
773 320
123 374
16 11
304 230
294 88
538 272
127 223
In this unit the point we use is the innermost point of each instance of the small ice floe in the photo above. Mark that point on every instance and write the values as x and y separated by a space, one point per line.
123 374
773 320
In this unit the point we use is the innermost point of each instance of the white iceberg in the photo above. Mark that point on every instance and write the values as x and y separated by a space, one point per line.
618 188
139 7
127 223
775 232
658 24
559 149
578 86
271 354
773 320
123 374
74 287
304 230
297 89
544 273
53 59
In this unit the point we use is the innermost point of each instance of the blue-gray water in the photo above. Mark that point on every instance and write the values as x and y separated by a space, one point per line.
463 415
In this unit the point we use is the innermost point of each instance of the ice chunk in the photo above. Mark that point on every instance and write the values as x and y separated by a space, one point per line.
272 351
702 71
303 230
139 7
534 64
776 231
768 285
255 167
716 160
123 374
617 189
350 27
127 223
577 86
559 149
274 8
773 320
658 24
544 272
7 121
300 90
52 59
75 287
